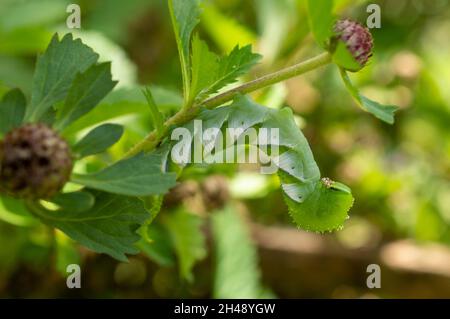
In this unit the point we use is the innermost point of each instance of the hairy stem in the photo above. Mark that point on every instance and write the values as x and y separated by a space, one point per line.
269 79
186 114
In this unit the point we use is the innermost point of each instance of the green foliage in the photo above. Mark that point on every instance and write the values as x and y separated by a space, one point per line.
108 227
321 20
160 248
204 63
237 273
12 110
140 175
98 140
343 58
211 73
87 90
157 117
123 102
383 112
68 80
115 213
185 17
299 173
398 174
185 231
324 209
55 71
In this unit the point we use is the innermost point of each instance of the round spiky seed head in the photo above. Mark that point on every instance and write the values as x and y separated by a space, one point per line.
35 162
357 38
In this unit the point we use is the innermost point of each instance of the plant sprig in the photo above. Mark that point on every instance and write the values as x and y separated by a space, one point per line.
116 204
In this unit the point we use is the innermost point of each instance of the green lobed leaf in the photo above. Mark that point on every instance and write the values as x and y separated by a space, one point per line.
12 110
185 17
108 227
185 230
98 140
321 20
382 112
87 90
211 73
140 175
204 66
237 274
55 71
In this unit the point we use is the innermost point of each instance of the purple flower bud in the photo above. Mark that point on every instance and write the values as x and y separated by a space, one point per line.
357 38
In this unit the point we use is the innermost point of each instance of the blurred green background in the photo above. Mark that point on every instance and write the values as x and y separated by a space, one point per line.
241 242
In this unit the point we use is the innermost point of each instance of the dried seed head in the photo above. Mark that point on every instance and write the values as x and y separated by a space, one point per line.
357 38
35 162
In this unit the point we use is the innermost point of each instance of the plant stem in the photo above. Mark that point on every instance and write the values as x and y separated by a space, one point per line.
269 79
186 114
